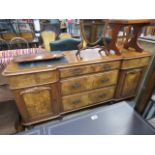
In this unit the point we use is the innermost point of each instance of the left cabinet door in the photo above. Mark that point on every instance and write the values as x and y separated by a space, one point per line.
37 103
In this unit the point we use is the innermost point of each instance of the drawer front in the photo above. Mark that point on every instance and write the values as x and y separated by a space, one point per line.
76 85
80 100
105 79
134 63
103 94
75 101
69 72
107 66
22 81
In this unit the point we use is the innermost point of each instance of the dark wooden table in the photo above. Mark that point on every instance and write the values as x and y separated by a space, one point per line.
137 28
117 119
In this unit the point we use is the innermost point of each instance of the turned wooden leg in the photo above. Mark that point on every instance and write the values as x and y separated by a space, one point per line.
133 43
114 34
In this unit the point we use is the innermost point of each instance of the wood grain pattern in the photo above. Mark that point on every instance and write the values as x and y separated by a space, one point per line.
128 83
45 92
79 84
22 81
38 103
75 71
135 63
105 79
83 99
76 85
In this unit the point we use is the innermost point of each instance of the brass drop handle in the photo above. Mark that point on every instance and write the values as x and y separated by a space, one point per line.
77 85
76 71
35 89
76 101
102 95
105 80
106 67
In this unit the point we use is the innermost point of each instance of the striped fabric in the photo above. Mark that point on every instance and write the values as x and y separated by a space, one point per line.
8 55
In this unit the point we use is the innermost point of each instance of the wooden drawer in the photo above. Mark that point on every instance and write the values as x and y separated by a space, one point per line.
22 81
105 79
80 100
75 71
106 66
72 102
135 63
99 67
76 85
103 94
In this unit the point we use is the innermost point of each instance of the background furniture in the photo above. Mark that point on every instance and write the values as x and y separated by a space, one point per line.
65 44
27 35
47 37
145 94
64 36
4 45
137 26
118 119
8 36
19 43
46 90
93 34
147 86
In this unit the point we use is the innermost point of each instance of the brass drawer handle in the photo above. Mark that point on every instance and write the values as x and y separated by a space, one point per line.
107 67
105 80
76 71
102 96
76 85
76 101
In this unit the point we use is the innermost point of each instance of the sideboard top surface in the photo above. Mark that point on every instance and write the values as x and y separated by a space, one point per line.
89 57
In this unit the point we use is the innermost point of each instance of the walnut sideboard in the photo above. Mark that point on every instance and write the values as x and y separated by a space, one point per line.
47 91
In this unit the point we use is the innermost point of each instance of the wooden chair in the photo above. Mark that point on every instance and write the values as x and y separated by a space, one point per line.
4 45
47 37
8 36
19 43
27 35
64 36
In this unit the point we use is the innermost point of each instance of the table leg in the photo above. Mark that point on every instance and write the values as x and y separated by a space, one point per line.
133 43
114 34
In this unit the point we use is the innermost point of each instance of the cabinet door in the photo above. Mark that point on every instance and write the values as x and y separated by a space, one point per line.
128 83
37 103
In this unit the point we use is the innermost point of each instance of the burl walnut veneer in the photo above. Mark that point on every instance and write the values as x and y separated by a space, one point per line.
47 91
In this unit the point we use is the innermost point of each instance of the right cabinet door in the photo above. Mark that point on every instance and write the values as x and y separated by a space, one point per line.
128 83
